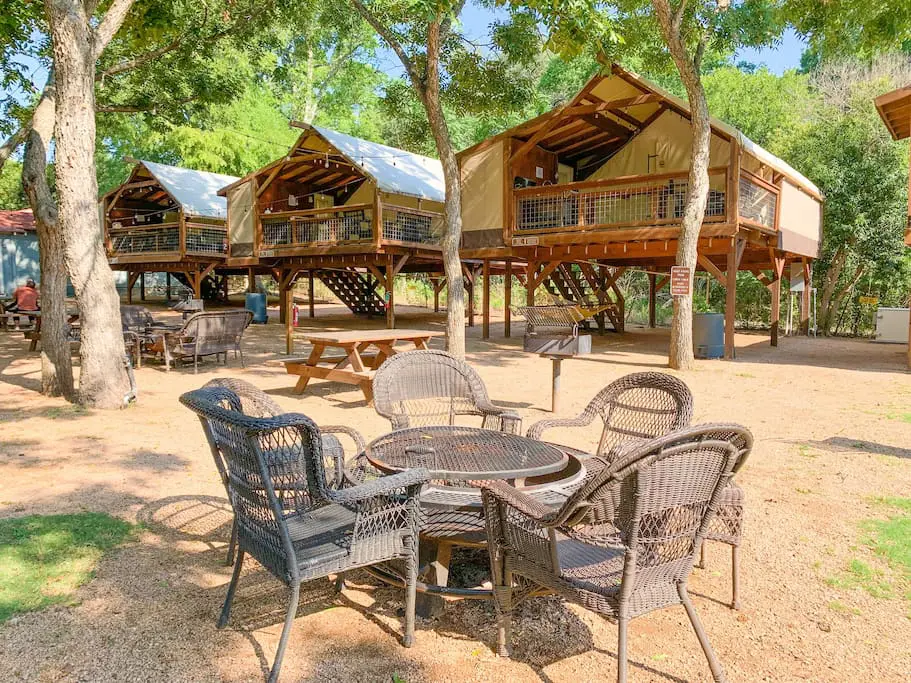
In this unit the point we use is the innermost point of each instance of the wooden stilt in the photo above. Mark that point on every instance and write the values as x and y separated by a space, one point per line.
775 290
507 301
436 295
131 280
390 291
730 302
282 299
652 300
288 301
251 280
805 298
167 287
530 283
142 286
224 287
310 300
485 326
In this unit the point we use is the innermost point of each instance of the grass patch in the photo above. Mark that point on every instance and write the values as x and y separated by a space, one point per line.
45 558
861 575
804 451
66 412
901 417
842 608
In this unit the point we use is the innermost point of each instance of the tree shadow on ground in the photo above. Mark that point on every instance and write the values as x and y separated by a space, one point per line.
842 444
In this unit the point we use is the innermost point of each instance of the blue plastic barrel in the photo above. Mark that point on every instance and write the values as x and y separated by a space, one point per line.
256 303
708 335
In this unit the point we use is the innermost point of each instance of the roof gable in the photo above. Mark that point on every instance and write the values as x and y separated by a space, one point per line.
195 191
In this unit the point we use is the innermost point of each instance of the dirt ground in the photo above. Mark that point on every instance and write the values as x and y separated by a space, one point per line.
830 434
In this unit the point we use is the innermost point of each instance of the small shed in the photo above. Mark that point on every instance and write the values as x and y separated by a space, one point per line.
18 250
167 219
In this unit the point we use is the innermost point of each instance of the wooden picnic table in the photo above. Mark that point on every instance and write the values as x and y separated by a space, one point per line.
354 367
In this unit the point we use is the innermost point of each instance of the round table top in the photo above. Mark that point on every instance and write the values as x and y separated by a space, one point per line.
455 453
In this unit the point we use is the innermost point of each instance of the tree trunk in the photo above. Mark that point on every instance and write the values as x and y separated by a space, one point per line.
452 209
833 274
681 350
103 381
56 364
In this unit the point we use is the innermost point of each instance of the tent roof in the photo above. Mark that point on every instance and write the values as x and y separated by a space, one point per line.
613 107
195 191
895 109
14 222
394 170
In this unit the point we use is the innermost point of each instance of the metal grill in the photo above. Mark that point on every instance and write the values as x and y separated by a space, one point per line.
350 226
205 240
565 207
403 225
757 204
146 241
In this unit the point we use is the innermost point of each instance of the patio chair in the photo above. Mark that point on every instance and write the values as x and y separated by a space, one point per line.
643 405
212 333
289 519
255 402
624 543
429 388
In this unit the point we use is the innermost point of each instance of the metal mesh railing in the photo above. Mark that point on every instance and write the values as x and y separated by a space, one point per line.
637 202
331 227
407 225
164 239
207 240
757 203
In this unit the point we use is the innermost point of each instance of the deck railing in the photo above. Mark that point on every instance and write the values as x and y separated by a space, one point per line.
758 204
633 201
201 239
348 225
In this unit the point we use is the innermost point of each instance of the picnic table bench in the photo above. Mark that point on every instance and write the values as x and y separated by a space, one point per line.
353 365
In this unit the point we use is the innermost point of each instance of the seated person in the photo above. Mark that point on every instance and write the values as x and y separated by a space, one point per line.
25 298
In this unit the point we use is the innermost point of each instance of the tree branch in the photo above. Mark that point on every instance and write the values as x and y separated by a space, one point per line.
136 108
12 143
389 37
334 67
678 16
110 24
21 136
130 64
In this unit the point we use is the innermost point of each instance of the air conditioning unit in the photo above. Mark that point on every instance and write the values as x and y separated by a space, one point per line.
892 325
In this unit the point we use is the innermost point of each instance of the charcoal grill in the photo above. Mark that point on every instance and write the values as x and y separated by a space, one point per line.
553 332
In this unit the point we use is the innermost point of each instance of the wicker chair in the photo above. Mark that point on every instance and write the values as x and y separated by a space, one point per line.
255 402
624 543
289 519
644 405
205 334
429 388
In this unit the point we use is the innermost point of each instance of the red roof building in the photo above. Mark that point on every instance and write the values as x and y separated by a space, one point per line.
16 222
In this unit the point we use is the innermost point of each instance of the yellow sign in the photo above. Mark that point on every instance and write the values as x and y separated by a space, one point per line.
868 300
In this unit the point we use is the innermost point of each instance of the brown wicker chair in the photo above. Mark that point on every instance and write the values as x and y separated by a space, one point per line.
205 334
257 403
289 519
430 388
624 543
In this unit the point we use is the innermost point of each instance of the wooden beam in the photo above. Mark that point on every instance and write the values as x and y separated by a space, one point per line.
507 300
401 262
268 181
762 277
730 301
805 298
533 141
711 268
580 110
485 302
661 283
390 289
310 297
652 300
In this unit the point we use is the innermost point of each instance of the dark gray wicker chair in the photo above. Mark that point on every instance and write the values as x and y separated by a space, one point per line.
257 403
643 405
624 543
430 388
289 519
212 333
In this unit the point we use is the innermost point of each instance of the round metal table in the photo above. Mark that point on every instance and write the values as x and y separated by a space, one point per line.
451 508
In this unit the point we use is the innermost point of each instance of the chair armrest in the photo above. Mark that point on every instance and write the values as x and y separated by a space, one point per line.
536 431
380 487
544 515
334 449
359 442
509 420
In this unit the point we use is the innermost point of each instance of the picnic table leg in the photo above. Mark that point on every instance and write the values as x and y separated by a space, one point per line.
367 388
312 361
421 343
354 357
435 557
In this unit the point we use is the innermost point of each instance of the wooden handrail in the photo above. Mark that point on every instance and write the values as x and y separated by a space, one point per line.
608 182
142 226
762 182
315 212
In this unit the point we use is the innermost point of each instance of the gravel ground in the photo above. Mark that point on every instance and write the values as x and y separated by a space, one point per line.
828 416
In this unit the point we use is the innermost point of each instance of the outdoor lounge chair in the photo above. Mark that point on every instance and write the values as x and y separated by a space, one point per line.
428 388
289 519
643 405
205 334
624 543
257 403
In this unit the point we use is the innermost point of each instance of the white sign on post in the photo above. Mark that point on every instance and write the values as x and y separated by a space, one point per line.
681 277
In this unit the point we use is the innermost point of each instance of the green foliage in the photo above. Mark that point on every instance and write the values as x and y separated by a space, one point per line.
11 194
44 559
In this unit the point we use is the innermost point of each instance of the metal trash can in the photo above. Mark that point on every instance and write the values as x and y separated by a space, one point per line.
256 304
708 335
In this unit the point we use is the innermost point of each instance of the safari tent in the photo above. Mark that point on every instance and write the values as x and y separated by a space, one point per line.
167 219
598 185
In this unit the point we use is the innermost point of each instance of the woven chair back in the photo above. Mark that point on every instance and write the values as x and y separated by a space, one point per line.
216 331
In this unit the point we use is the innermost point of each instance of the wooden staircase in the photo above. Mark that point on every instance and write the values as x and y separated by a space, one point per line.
356 290
580 284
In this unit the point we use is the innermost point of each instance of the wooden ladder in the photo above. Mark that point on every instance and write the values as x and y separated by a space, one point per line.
356 290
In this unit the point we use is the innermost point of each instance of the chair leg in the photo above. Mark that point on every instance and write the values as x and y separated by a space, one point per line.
232 588
195 364
411 593
622 665
286 631
735 576
714 664
232 544
503 601
701 563
339 583
241 351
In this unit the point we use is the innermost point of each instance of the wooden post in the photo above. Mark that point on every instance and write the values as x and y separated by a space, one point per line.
310 301
282 301
167 287
485 302
805 299
251 281
142 286
436 295
130 280
507 301
197 284
652 300
555 385
471 280
288 301
390 292
224 287
530 271
730 302
775 289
